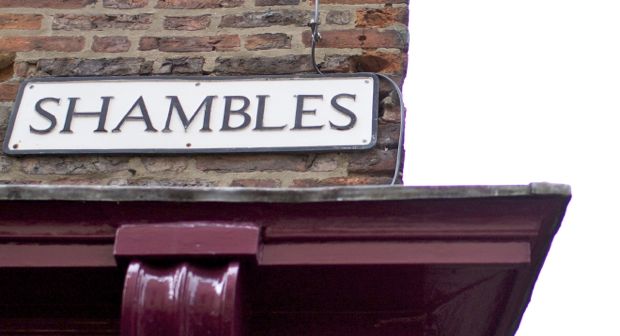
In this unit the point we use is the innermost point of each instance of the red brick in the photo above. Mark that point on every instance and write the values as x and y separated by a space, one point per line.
267 18
358 38
369 61
6 59
44 43
268 41
387 135
197 4
381 17
189 44
340 181
360 2
20 21
125 4
111 44
276 2
102 22
23 69
377 161
187 22
256 183
6 73
8 91
64 4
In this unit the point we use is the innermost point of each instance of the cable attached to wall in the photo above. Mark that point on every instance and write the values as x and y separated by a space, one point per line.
316 36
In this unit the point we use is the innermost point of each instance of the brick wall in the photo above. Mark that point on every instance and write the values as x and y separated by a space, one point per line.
202 37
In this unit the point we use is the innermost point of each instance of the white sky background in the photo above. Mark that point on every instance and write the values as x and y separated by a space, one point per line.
512 92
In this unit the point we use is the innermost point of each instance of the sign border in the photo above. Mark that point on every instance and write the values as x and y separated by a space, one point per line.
13 116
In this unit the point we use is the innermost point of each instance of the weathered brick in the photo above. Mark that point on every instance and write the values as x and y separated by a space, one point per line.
73 165
267 18
251 163
5 110
387 135
24 69
102 22
6 74
360 2
149 182
377 161
268 41
187 22
182 65
377 61
340 181
63 4
256 183
381 17
193 43
276 2
369 61
390 110
6 65
358 38
75 180
125 4
94 67
323 163
8 91
5 164
165 164
42 43
263 65
338 17
339 63
111 44
197 4
20 21
6 59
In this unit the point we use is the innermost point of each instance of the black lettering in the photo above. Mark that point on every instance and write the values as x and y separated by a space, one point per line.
46 115
176 105
101 114
345 111
300 112
145 116
260 115
241 111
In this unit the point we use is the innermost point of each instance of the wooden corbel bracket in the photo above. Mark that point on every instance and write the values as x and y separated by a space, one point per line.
184 279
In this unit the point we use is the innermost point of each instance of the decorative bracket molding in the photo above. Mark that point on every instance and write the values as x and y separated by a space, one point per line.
184 279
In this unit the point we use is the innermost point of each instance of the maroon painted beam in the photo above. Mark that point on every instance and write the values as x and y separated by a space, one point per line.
396 253
459 261
180 240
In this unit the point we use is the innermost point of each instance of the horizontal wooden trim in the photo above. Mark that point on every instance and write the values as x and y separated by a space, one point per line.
187 239
386 253
24 255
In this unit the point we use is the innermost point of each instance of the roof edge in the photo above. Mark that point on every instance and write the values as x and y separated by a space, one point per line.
272 195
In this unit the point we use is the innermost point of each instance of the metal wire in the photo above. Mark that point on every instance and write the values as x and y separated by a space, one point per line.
401 136
314 27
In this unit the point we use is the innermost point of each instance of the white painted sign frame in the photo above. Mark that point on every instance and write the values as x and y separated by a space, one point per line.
345 106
